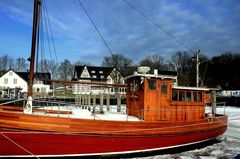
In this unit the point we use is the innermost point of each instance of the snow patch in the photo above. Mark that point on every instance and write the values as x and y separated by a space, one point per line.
185 157
217 153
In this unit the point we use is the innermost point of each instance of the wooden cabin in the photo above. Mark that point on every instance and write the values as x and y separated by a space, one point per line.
156 97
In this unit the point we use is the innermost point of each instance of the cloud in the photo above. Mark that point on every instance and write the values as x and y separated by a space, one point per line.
211 26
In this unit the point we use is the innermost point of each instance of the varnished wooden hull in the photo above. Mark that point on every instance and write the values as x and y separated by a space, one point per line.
76 137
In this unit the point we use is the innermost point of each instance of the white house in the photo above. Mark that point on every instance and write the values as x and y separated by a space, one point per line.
108 75
230 93
14 83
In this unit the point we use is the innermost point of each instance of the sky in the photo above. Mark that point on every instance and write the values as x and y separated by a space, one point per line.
212 26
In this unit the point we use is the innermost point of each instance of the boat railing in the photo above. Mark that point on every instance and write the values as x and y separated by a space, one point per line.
220 108
54 106
66 105
222 105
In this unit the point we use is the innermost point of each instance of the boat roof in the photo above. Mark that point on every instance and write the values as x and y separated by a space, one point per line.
191 88
151 76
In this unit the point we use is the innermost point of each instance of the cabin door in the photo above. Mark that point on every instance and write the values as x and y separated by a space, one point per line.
163 99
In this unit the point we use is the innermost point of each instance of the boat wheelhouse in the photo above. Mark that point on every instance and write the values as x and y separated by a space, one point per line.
154 97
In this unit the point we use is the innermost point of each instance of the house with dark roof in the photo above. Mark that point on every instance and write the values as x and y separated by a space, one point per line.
109 75
12 82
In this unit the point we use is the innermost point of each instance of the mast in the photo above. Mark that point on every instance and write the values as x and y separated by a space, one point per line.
28 108
33 47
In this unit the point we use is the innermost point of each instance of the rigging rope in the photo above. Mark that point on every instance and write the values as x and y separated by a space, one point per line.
95 26
38 36
5 136
50 29
158 25
44 26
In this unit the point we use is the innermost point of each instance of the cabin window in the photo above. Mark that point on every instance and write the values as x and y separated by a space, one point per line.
181 96
164 88
152 84
175 96
135 85
188 96
199 98
195 96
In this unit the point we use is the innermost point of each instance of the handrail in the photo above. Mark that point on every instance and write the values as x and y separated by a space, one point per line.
12 101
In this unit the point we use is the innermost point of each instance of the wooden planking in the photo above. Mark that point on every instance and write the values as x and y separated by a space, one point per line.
65 125
11 108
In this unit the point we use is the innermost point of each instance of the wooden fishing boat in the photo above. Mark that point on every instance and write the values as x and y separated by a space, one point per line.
169 116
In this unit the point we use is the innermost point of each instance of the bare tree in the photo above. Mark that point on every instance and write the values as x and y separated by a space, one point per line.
183 64
65 70
120 63
42 66
20 65
6 63
52 67
154 62
80 63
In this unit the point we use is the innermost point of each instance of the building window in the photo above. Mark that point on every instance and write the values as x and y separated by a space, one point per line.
10 73
101 72
164 88
14 81
94 76
92 71
152 84
5 81
102 77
